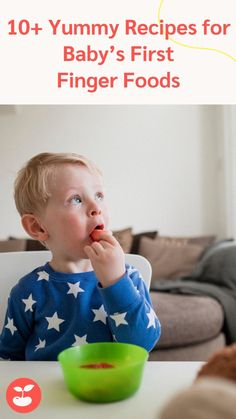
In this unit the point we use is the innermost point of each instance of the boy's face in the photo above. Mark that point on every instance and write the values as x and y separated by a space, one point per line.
76 206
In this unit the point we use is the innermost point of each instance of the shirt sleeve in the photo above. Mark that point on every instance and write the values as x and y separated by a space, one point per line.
17 327
130 313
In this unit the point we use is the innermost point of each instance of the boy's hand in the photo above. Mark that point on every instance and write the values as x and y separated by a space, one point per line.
107 257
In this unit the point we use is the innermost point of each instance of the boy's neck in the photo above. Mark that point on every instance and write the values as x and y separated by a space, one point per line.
83 265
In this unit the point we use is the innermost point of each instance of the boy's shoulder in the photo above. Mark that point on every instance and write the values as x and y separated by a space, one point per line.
26 282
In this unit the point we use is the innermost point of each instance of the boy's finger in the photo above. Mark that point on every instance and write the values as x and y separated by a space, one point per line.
97 247
105 244
89 252
108 238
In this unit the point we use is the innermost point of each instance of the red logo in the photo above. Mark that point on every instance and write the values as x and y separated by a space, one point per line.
23 395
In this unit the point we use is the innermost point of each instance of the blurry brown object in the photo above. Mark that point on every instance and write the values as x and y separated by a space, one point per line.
221 364
208 398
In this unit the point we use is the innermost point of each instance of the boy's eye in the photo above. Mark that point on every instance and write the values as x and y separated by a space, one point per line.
99 196
75 200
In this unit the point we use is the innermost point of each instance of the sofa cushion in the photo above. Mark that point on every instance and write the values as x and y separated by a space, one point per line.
195 352
186 319
170 260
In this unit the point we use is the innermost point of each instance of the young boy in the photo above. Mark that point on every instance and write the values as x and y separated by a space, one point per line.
86 293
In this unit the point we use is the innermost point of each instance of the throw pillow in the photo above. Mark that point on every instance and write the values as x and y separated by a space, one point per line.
137 239
219 268
170 260
203 241
125 238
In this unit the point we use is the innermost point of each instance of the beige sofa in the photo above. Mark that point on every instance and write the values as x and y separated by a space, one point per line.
191 327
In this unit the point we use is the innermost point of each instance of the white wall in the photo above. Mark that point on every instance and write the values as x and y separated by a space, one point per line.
161 164
230 166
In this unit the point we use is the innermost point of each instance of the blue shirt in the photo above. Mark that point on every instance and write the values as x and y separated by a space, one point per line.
50 311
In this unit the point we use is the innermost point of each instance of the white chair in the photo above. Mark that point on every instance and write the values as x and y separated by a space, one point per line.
14 265
143 266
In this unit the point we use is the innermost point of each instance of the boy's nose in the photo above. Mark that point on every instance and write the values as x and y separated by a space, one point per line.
95 210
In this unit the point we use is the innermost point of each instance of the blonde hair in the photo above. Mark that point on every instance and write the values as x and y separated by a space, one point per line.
31 187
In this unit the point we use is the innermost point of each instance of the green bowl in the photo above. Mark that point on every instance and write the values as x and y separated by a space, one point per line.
95 383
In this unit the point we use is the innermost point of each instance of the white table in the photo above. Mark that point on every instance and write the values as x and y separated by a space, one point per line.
161 381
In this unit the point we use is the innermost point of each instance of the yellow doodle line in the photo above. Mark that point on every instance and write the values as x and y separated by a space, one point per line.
190 46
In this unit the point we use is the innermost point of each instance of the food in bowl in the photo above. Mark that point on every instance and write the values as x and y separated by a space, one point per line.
98 365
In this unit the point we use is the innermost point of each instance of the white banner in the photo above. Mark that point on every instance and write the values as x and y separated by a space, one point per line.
132 52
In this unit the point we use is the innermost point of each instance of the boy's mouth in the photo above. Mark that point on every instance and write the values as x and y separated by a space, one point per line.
99 227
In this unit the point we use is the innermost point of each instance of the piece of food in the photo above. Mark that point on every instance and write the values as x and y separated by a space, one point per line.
98 365
96 233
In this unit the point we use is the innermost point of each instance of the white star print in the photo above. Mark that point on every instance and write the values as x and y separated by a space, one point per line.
40 345
131 270
151 317
10 326
119 318
43 275
74 288
80 340
100 314
29 302
54 322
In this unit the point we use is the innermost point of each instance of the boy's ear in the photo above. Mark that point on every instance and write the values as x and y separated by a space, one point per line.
33 227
